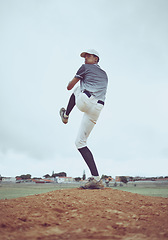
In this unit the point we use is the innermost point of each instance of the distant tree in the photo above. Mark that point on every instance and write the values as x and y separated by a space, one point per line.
24 176
47 176
131 178
123 179
105 176
84 175
77 179
61 174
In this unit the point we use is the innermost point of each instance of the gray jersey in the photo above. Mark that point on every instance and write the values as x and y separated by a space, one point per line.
93 79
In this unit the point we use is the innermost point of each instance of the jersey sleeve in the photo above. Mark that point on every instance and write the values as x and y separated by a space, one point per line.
81 72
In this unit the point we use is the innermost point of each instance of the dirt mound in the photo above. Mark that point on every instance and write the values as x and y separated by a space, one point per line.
84 214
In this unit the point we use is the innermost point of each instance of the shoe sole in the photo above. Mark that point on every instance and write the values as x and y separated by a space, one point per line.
64 120
92 185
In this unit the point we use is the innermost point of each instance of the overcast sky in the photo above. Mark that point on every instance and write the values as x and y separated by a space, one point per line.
40 46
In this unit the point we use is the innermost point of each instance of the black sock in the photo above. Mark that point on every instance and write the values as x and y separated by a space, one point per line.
71 104
88 157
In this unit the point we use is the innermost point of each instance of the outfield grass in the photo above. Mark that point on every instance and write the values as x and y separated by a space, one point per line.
8 191
148 188
147 191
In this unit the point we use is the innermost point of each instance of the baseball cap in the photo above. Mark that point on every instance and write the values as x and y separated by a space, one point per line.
90 51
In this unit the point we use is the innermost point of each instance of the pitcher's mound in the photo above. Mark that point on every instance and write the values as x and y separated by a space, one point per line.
84 214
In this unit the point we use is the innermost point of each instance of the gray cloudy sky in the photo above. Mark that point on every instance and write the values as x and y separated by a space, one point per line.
40 44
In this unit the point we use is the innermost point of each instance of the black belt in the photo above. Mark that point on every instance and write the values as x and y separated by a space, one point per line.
89 95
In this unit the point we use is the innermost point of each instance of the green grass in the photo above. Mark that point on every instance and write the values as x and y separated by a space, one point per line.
147 188
8 191
147 191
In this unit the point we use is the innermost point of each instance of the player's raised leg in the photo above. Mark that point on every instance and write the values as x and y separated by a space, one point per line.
64 113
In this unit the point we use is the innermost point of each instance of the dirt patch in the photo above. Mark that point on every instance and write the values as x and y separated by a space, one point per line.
84 214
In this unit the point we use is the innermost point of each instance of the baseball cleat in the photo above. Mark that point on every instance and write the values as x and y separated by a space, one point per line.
93 184
63 118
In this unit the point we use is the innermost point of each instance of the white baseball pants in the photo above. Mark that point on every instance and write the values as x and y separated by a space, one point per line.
91 109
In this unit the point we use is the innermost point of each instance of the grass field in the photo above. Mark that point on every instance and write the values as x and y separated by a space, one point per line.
8 191
155 189
147 191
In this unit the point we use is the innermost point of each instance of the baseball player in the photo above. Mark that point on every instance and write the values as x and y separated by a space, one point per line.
89 97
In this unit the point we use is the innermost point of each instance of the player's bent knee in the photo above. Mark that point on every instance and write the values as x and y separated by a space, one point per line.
80 143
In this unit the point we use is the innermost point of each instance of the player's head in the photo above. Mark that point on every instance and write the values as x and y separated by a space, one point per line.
91 56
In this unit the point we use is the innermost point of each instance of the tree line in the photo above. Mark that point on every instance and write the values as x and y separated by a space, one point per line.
28 176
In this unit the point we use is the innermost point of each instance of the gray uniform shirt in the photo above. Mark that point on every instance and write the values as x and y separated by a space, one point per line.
93 79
